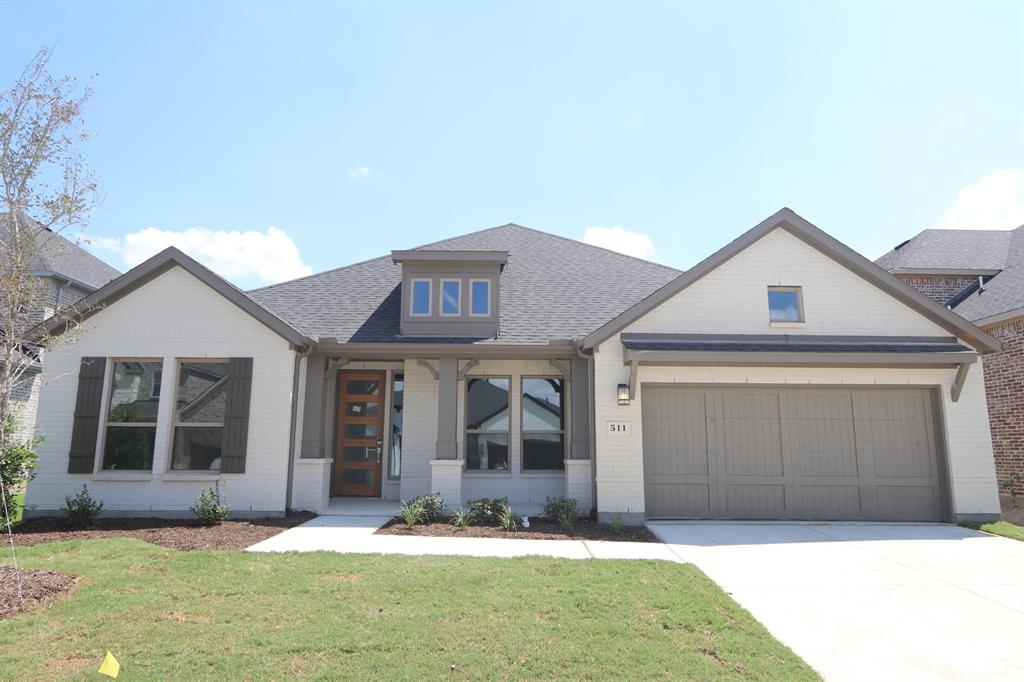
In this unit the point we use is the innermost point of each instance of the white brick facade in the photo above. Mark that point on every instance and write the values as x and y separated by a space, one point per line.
732 300
173 316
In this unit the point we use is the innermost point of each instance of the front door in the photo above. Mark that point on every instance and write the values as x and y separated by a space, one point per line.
357 461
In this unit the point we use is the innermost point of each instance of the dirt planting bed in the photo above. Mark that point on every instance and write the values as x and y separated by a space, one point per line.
38 588
540 529
179 534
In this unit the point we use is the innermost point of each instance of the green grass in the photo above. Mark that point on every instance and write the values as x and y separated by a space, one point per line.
233 615
1004 528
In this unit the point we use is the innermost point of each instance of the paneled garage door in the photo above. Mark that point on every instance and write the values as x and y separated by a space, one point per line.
791 453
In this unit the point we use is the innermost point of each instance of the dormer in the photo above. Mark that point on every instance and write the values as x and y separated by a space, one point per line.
450 293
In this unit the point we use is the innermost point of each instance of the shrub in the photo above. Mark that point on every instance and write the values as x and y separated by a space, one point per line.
18 462
462 518
487 511
430 507
616 523
562 510
81 511
411 513
211 506
508 520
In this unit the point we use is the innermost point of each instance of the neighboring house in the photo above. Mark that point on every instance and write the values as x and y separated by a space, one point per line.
783 377
68 273
979 274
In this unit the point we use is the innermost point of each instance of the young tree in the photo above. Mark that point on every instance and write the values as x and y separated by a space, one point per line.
47 189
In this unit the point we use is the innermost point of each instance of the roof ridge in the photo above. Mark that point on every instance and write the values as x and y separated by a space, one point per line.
575 242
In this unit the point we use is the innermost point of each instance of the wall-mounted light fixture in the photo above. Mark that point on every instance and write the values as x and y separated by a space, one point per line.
623 394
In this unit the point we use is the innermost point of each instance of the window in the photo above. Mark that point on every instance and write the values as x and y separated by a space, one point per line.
785 304
543 423
397 399
158 380
451 297
131 416
199 415
487 424
419 303
480 297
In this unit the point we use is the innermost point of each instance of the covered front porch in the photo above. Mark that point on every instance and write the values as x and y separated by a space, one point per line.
374 430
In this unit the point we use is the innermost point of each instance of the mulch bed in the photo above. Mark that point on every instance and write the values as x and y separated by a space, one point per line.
540 529
38 587
181 534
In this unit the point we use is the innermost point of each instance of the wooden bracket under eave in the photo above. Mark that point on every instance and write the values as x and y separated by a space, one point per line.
334 364
634 368
423 362
470 364
958 381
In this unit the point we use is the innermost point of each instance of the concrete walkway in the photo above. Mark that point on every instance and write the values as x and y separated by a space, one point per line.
355 534
873 601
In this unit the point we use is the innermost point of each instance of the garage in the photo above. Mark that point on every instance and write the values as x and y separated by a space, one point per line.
865 453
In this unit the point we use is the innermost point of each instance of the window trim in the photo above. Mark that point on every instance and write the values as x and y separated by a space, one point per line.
523 431
412 296
173 430
480 280
798 290
466 431
108 396
458 300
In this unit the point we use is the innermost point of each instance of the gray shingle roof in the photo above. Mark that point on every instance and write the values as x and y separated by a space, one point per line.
551 288
1002 293
951 250
1001 250
64 257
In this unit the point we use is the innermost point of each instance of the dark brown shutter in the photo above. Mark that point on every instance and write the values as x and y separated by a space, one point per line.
82 457
236 416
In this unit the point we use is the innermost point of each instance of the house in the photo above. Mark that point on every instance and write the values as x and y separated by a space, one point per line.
783 377
66 273
979 274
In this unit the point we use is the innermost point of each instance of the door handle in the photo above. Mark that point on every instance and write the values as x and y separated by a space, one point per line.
380 448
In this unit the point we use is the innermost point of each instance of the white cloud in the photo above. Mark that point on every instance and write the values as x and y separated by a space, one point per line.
360 171
266 257
619 239
995 202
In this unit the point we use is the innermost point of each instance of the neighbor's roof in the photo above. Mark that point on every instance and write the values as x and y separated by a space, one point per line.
552 288
949 250
60 256
1000 252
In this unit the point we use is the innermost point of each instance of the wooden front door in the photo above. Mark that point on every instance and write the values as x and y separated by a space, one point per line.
360 435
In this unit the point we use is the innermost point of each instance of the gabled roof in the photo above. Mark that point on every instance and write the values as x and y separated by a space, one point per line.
153 268
788 220
62 258
552 288
996 254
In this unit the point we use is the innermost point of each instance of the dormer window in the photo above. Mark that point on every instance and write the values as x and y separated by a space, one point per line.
450 293
451 297
480 297
419 302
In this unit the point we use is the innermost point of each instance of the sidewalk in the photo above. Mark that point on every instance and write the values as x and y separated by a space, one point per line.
355 535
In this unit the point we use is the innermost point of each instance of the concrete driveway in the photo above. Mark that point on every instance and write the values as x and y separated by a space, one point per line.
873 601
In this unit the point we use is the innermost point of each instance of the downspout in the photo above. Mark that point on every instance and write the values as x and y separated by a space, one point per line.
299 357
577 346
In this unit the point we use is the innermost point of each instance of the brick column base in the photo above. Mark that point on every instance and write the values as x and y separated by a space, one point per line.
579 483
446 479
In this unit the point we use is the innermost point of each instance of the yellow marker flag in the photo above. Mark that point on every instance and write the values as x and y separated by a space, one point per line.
110 667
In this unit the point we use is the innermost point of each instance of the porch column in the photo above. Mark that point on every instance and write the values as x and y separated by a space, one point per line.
578 468
446 467
313 410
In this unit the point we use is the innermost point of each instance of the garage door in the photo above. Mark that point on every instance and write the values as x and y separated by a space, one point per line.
785 453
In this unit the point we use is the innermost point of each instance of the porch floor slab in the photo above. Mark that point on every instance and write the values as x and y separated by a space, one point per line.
355 535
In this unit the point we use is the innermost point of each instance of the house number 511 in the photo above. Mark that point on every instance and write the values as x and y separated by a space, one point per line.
619 428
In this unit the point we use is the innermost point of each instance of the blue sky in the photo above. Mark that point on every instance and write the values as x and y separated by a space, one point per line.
356 129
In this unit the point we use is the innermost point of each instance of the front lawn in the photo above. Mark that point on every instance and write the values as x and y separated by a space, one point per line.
1004 528
232 615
